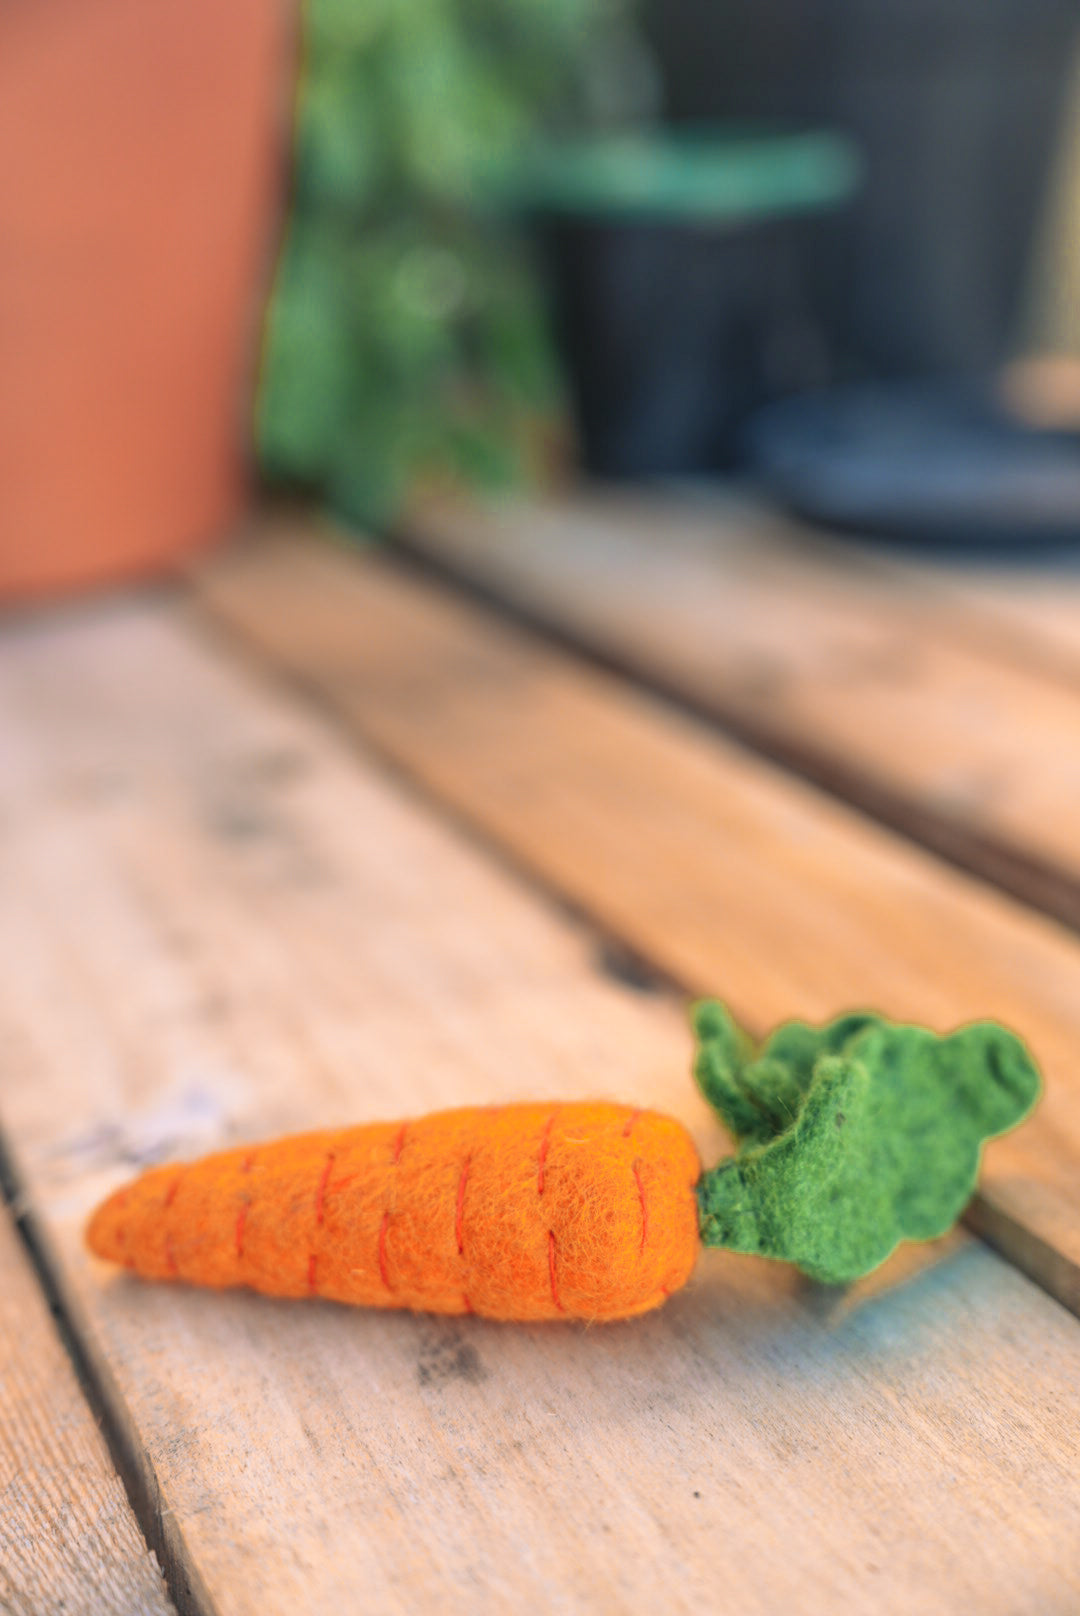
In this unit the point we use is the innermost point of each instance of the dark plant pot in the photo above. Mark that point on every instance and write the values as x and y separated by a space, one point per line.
666 333
675 288
955 105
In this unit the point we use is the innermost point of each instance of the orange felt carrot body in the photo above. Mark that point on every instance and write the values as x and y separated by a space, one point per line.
520 1212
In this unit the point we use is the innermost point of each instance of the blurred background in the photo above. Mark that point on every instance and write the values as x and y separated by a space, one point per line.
361 252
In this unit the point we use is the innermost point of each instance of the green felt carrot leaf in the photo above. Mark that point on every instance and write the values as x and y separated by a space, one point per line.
853 1136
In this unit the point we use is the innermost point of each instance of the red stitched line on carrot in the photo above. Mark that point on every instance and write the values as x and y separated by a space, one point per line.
644 1208
545 1141
551 1272
170 1195
320 1212
465 1299
170 1255
395 1157
459 1234
248 1162
631 1119
382 1250
320 1193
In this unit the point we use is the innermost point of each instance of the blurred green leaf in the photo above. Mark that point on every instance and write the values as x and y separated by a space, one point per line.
406 337
339 144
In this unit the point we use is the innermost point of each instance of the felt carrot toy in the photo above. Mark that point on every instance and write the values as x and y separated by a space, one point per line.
851 1137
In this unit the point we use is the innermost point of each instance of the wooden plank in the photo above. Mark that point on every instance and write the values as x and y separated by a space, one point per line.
217 925
725 874
1022 610
885 688
1031 614
68 1539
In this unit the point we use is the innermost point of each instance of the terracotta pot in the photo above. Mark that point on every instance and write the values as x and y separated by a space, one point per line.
142 154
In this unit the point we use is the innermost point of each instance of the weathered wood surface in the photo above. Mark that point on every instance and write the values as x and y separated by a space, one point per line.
68 1540
939 709
721 871
218 924
1026 614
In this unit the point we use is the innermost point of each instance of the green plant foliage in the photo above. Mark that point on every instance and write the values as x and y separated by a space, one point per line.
406 334
852 1136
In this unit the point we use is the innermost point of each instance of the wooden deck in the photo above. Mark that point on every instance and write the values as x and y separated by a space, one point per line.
326 835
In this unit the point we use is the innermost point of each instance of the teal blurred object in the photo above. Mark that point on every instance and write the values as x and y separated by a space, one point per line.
706 176
406 333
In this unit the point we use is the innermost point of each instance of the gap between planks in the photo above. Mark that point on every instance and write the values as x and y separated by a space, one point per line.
68 1538
888 685
715 867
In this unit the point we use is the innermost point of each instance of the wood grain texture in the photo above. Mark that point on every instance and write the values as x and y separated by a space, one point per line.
728 876
876 680
68 1539
1026 615
218 925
